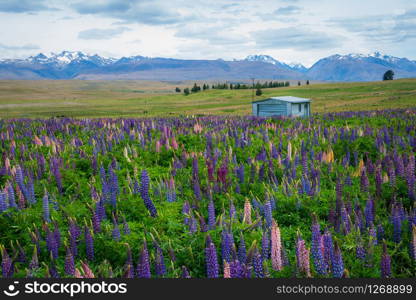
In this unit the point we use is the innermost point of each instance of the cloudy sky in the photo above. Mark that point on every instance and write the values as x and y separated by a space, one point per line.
289 30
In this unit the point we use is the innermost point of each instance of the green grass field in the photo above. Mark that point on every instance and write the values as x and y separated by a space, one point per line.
36 99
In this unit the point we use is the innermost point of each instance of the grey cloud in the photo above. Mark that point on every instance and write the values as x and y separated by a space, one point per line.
23 6
386 28
18 48
102 34
288 10
294 38
129 11
215 35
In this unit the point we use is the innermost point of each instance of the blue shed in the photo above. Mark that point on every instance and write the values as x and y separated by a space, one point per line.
282 106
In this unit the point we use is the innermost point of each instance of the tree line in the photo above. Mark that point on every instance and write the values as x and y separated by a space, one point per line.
233 86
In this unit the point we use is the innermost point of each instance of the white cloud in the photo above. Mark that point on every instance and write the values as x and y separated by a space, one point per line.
289 30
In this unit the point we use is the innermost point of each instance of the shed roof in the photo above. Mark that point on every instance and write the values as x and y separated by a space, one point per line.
289 99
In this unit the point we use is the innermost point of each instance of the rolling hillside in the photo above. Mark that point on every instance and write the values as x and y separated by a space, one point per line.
143 98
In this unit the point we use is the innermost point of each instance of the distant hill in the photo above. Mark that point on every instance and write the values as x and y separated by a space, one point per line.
78 65
359 67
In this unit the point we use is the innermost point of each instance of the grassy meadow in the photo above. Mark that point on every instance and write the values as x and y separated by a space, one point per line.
75 98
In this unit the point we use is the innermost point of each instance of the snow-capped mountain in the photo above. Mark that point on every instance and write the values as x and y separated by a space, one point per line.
298 67
79 65
361 67
270 60
67 57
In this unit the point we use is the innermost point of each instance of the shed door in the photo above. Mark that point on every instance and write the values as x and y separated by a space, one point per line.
271 109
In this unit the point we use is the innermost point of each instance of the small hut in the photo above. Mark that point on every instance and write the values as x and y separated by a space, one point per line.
282 106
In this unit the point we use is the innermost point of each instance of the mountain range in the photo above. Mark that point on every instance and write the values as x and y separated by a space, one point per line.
78 65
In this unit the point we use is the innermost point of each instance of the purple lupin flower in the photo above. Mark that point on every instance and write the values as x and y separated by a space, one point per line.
116 230
211 215
360 252
160 267
267 210
129 268
265 246
11 196
51 243
3 203
74 229
413 243
372 233
364 181
193 225
69 263
368 212
316 248
100 209
185 273
57 234
385 264
379 181
34 263
226 245
6 264
337 263
186 210
96 222
410 177
55 166
21 254
258 264
202 224
53 272
345 220
45 206
240 174
380 232
211 260
89 243
114 187
397 224
328 248
144 191
236 269
143 265
232 211
197 189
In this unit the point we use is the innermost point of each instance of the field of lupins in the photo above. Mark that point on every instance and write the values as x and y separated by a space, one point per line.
329 196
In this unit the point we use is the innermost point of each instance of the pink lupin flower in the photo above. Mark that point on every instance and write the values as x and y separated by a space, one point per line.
158 146
87 271
276 249
174 143
37 141
227 272
77 274
247 212
302 257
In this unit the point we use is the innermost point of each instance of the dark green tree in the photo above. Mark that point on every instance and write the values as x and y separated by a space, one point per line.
307 82
178 90
259 92
299 83
195 88
388 75
186 91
